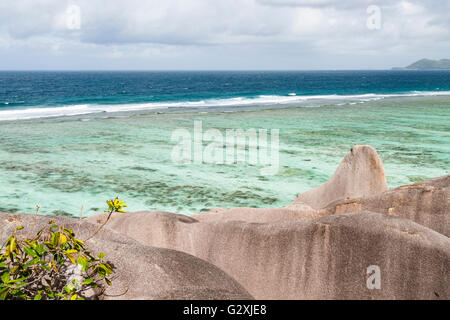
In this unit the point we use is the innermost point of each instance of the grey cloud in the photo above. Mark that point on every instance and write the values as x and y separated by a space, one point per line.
273 29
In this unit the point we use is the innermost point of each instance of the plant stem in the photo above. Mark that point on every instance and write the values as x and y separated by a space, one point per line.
99 228
81 218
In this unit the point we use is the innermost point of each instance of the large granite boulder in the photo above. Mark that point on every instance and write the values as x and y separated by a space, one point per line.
427 203
324 258
141 271
360 174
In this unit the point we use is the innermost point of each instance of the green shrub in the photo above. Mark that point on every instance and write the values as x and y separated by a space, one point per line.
44 267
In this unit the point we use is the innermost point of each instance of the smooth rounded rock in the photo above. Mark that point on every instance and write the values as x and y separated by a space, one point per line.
324 258
360 174
427 203
140 270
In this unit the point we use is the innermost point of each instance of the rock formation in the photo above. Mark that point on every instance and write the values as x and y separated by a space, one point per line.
320 246
324 258
427 203
360 174
141 272
323 246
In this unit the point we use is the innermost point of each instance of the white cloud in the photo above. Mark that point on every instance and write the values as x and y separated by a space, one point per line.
182 28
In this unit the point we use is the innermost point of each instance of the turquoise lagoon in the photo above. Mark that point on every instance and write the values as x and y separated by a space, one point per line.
64 163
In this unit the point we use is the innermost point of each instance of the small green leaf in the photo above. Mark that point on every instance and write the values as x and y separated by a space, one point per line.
79 242
71 258
39 249
5 277
69 231
45 267
29 251
17 280
4 293
82 261
68 289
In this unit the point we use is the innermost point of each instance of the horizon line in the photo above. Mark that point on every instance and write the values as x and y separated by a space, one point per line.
199 70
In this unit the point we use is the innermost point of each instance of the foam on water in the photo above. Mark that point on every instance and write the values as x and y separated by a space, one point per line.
263 100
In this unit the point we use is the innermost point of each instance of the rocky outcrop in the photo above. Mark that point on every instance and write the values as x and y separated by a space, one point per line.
321 245
141 271
325 258
427 203
360 174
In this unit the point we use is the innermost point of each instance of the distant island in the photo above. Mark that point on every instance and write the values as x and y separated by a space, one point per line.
428 64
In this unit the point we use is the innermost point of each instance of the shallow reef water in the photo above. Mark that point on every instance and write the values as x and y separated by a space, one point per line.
65 163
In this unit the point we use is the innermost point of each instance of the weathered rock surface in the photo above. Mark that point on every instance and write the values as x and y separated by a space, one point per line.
325 258
256 215
141 272
319 247
360 174
427 203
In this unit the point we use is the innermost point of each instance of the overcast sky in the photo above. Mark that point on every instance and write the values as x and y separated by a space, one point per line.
221 34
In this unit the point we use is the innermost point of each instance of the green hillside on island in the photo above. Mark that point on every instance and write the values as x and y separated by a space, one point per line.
428 64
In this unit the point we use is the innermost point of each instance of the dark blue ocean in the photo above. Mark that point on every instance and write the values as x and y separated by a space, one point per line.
69 93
